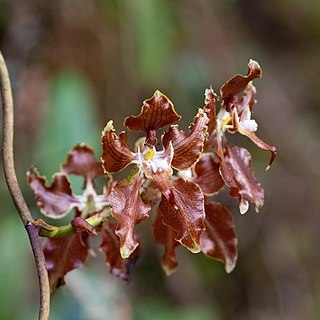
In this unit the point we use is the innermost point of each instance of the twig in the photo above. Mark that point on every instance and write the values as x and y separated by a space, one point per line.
33 233
15 191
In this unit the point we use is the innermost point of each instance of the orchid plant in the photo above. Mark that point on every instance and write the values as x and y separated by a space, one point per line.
176 174
171 178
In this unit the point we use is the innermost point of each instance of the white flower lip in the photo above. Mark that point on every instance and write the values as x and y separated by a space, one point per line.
250 125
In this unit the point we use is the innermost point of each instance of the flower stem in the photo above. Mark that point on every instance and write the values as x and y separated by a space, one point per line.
15 191
50 231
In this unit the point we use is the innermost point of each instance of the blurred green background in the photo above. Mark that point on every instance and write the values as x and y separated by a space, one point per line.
74 65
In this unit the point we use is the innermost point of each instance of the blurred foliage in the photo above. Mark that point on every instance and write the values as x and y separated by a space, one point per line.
70 119
73 70
152 54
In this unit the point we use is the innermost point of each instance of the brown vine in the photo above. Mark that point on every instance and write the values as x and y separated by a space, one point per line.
15 191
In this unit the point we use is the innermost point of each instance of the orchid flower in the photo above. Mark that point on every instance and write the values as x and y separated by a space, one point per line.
235 115
182 202
56 200
174 171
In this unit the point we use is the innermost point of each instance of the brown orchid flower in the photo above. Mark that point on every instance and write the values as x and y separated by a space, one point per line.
182 202
235 116
177 175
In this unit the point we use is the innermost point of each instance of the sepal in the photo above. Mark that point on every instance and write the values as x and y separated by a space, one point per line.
116 154
129 209
56 200
219 241
187 147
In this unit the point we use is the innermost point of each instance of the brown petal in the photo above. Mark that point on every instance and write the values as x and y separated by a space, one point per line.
56 200
261 144
156 112
116 153
219 241
238 83
150 193
63 255
166 236
210 143
253 137
210 109
129 209
225 173
184 212
247 99
207 175
81 225
110 246
162 181
237 172
187 148
82 162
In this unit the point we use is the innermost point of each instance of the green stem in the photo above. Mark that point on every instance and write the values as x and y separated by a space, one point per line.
49 231
15 191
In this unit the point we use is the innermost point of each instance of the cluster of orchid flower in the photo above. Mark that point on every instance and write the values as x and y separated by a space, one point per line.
176 175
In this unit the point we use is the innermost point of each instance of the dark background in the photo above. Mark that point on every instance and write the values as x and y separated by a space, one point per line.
74 65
